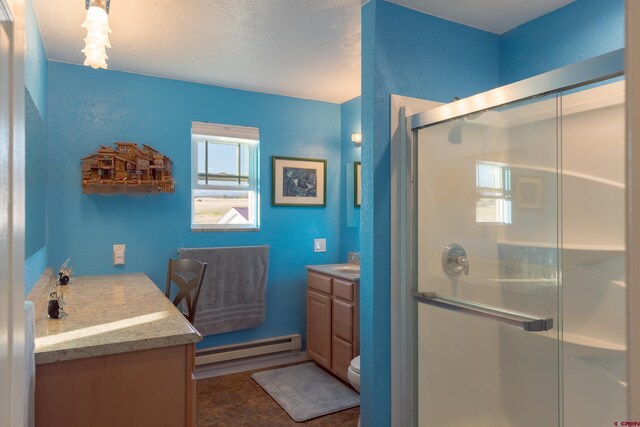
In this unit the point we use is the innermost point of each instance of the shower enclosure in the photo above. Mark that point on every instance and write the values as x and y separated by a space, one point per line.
515 253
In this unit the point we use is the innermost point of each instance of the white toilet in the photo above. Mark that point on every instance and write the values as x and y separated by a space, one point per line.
354 376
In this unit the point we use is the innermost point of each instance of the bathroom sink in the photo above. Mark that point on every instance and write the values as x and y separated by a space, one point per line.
351 269
345 271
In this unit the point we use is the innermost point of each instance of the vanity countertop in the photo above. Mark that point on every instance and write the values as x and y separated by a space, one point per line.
107 315
344 271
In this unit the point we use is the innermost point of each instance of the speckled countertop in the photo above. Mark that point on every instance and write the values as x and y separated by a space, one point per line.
344 271
107 315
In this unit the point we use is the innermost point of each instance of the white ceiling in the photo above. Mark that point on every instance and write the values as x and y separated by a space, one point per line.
495 16
301 48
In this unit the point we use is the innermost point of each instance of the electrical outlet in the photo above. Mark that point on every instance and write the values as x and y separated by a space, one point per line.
320 245
118 254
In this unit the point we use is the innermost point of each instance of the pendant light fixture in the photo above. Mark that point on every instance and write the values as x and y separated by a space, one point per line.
97 40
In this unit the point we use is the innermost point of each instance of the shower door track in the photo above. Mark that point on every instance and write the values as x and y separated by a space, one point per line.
593 70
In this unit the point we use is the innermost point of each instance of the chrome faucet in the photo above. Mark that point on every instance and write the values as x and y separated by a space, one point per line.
354 258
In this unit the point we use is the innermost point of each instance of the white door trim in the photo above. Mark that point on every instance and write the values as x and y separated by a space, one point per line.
12 214
632 71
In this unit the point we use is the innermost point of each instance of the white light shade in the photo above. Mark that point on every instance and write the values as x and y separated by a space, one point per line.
356 138
97 25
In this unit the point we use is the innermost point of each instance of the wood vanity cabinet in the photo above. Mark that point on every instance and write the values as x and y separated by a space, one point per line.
333 335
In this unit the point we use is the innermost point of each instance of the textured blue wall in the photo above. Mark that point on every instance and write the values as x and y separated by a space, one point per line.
581 30
350 113
374 386
412 54
35 150
35 61
92 107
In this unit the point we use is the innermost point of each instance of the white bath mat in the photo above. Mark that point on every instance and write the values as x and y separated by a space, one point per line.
306 391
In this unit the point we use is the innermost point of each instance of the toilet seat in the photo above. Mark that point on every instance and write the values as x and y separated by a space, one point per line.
355 365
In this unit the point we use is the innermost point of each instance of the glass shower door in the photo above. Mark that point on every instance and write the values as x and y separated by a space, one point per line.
488 238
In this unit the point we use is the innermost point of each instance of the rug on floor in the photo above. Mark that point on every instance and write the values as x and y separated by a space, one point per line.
306 391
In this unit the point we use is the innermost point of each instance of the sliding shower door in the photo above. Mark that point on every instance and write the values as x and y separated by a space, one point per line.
488 268
593 251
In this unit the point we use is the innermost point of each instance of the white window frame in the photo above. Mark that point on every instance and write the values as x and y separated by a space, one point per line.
504 200
248 136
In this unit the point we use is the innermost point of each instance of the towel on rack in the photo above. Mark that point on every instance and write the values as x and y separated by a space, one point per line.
233 294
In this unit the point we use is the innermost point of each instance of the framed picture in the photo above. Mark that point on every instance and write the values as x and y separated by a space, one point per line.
357 184
298 182
528 192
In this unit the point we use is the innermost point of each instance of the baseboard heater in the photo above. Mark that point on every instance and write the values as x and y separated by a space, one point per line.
268 346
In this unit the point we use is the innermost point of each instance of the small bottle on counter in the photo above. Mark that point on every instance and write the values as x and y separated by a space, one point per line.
53 309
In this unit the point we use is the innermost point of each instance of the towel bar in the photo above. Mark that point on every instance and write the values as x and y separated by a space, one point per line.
179 249
526 322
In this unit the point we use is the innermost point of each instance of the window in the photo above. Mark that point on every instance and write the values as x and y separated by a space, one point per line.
224 177
493 193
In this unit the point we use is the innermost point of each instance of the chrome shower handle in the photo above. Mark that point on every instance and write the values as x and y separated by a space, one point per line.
455 261
462 260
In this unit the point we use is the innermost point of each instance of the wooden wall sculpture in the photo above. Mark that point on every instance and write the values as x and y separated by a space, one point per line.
127 169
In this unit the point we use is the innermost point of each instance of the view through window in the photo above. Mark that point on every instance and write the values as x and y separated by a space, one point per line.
493 193
224 176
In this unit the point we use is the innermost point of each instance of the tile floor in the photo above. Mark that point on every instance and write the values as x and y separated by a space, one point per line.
237 400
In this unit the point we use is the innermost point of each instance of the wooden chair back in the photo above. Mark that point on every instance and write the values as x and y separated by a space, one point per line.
188 275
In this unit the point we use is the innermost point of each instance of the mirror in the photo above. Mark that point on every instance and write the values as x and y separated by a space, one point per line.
35 177
357 187
353 211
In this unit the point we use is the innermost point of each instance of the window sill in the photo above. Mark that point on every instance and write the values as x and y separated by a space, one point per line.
204 229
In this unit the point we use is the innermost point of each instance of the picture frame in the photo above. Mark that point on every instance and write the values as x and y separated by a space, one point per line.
529 192
298 181
357 184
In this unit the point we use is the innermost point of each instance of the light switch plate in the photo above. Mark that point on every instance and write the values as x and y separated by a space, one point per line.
320 245
118 254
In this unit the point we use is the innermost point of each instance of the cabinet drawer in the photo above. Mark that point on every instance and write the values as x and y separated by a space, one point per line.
342 320
341 355
343 289
319 282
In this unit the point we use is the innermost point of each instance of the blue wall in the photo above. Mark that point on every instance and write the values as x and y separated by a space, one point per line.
35 150
92 107
350 113
372 405
581 30
407 53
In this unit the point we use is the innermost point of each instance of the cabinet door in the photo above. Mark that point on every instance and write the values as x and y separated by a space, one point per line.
342 339
341 355
319 328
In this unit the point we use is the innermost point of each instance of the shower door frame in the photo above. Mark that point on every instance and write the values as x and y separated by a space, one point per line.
403 263
632 71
